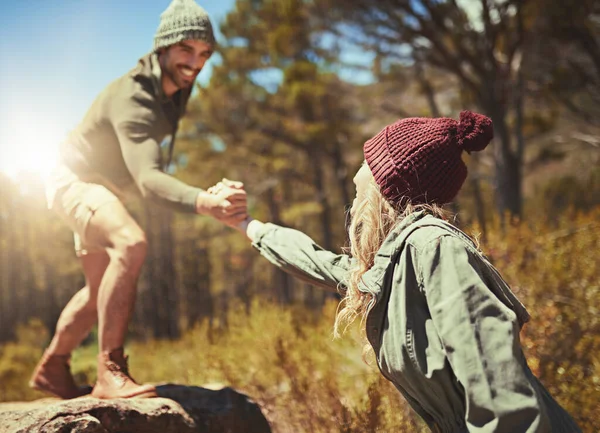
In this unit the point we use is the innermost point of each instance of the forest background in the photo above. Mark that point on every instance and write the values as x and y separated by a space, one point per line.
278 115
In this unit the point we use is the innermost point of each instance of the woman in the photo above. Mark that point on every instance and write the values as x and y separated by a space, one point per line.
443 324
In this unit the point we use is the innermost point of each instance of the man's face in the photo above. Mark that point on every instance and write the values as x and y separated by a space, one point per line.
182 62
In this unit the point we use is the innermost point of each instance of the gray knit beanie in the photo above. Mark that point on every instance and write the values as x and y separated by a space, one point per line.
183 20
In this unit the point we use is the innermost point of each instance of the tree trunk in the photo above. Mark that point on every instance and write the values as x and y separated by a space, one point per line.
51 310
520 94
280 280
161 273
508 169
427 89
170 294
321 198
195 266
341 174
28 257
150 296
12 266
479 205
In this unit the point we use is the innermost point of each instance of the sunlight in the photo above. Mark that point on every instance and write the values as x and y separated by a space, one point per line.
30 146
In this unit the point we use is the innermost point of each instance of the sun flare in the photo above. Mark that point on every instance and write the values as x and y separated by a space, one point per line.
30 146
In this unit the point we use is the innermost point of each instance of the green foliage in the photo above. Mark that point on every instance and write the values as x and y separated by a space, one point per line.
18 359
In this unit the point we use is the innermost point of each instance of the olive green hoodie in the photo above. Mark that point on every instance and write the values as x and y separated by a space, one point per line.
120 138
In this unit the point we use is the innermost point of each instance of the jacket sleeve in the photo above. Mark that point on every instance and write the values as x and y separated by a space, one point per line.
480 336
297 254
141 153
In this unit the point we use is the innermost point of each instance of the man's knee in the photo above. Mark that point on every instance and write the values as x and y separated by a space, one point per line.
130 245
85 300
89 303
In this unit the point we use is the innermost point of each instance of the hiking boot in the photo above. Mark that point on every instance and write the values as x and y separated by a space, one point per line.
114 380
53 375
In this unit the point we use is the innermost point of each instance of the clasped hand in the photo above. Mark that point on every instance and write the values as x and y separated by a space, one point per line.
225 201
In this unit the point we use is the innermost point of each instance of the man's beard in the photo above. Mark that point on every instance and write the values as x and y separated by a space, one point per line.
174 75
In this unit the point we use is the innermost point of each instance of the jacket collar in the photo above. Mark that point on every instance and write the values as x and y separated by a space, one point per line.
372 279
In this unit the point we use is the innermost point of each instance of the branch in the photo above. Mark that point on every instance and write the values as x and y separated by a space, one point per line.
394 109
589 44
279 135
584 114
450 62
456 37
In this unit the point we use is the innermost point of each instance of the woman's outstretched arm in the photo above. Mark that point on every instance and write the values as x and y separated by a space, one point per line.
297 254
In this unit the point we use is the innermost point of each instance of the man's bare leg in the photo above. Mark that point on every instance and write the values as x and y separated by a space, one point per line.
53 373
125 243
112 227
81 314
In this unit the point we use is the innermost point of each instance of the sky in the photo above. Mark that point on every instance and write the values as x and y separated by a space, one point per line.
56 56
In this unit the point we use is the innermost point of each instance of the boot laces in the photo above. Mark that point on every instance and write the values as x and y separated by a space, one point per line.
120 372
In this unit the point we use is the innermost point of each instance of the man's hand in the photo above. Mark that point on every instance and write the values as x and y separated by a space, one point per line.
224 203
226 183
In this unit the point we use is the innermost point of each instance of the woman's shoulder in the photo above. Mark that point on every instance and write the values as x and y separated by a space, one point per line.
429 231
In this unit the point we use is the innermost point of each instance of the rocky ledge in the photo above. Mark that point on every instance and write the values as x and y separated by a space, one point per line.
179 409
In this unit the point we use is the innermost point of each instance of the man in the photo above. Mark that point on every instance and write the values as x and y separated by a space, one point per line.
116 150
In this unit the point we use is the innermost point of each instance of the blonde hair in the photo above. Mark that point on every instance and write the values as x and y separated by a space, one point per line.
370 223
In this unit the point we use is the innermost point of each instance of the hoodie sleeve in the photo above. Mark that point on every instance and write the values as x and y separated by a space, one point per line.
133 120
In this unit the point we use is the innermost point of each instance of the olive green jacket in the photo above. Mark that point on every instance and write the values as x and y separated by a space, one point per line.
445 326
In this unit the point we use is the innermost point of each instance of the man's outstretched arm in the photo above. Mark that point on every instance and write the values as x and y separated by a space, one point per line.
142 156
141 153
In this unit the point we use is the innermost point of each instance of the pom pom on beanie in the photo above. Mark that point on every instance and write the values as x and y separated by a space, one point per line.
475 131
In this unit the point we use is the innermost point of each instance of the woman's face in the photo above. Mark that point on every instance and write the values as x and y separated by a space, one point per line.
362 179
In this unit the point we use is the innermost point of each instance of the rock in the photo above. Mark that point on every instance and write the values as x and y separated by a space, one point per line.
179 409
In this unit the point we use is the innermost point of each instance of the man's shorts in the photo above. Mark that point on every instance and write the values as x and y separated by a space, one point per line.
76 200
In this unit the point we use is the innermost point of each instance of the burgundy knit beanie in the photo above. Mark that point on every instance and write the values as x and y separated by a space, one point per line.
419 159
